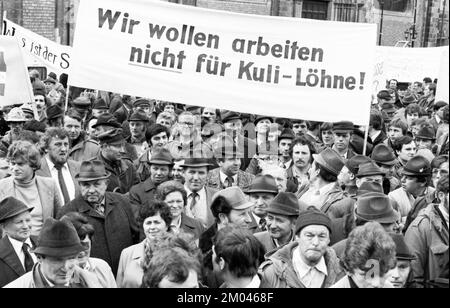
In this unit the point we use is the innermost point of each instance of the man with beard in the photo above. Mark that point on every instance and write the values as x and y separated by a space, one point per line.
15 120
55 163
160 167
415 179
80 149
262 191
138 123
343 132
123 173
302 156
199 197
281 215
109 213
307 262
157 136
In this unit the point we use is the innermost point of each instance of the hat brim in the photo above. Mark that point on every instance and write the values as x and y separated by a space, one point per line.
406 172
230 119
196 165
370 174
86 179
393 217
342 130
255 191
280 212
387 163
16 213
318 159
244 206
73 250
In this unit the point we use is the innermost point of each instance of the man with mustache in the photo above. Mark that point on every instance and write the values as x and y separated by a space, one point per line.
109 213
55 163
343 132
281 214
301 150
307 262
284 147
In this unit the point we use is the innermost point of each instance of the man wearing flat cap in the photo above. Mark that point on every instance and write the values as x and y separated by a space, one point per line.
282 214
123 173
100 107
324 189
307 262
57 266
110 213
55 116
343 132
415 181
15 256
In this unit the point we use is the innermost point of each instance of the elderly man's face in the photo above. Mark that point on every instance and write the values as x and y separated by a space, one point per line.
159 173
18 227
439 172
113 151
93 191
59 270
187 125
58 150
195 178
280 176
279 226
230 166
262 201
313 242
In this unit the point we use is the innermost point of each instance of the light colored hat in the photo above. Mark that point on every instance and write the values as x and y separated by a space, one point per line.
16 115
234 197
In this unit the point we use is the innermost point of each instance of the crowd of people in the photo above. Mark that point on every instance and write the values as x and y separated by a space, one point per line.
120 191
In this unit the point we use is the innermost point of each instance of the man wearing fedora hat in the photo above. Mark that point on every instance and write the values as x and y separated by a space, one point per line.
233 125
161 165
110 213
57 251
347 176
123 173
138 124
281 215
343 132
307 262
100 107
415 183
229 159
385 158
15 258
371 206
324 189
428 238
229 206
55 116
199 196
426 138
262 191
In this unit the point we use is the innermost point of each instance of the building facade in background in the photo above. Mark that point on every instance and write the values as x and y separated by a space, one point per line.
427 19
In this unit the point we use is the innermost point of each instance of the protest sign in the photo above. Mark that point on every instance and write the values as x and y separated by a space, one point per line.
442 85
38 50
284 67
15 85
405 64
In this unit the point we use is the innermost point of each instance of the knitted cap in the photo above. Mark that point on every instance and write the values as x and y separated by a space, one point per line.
312 217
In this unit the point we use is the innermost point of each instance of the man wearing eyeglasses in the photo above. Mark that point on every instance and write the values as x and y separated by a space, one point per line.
188 143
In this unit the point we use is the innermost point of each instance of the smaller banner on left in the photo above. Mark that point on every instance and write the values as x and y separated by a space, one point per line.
15 85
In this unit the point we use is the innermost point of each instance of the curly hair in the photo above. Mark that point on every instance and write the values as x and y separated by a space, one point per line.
25 150
169 187
366 244
53 132
154 207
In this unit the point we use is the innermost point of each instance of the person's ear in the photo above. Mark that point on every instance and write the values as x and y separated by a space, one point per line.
223 218
221 264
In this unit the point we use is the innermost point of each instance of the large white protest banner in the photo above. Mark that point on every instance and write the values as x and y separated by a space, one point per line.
38 50
443 78
405 64
284 67
15 85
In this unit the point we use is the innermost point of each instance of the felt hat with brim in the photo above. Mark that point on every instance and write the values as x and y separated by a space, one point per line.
368 187
402 250
382 154
230 115
196 163
409 99
263 184
11 207
112 136
92 170
287 133
107 119
141 102
285 203
139 116
235 197
343 127
261 117
330 160
54 111
161 157
81 102
58 238
100 104
376 206
384 94
417 166
426 133
355 162
369 169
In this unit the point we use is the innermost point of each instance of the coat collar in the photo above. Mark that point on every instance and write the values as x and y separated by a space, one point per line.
9 256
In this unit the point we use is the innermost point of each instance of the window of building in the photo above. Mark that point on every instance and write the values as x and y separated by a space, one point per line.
315 10
392 5
346 12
